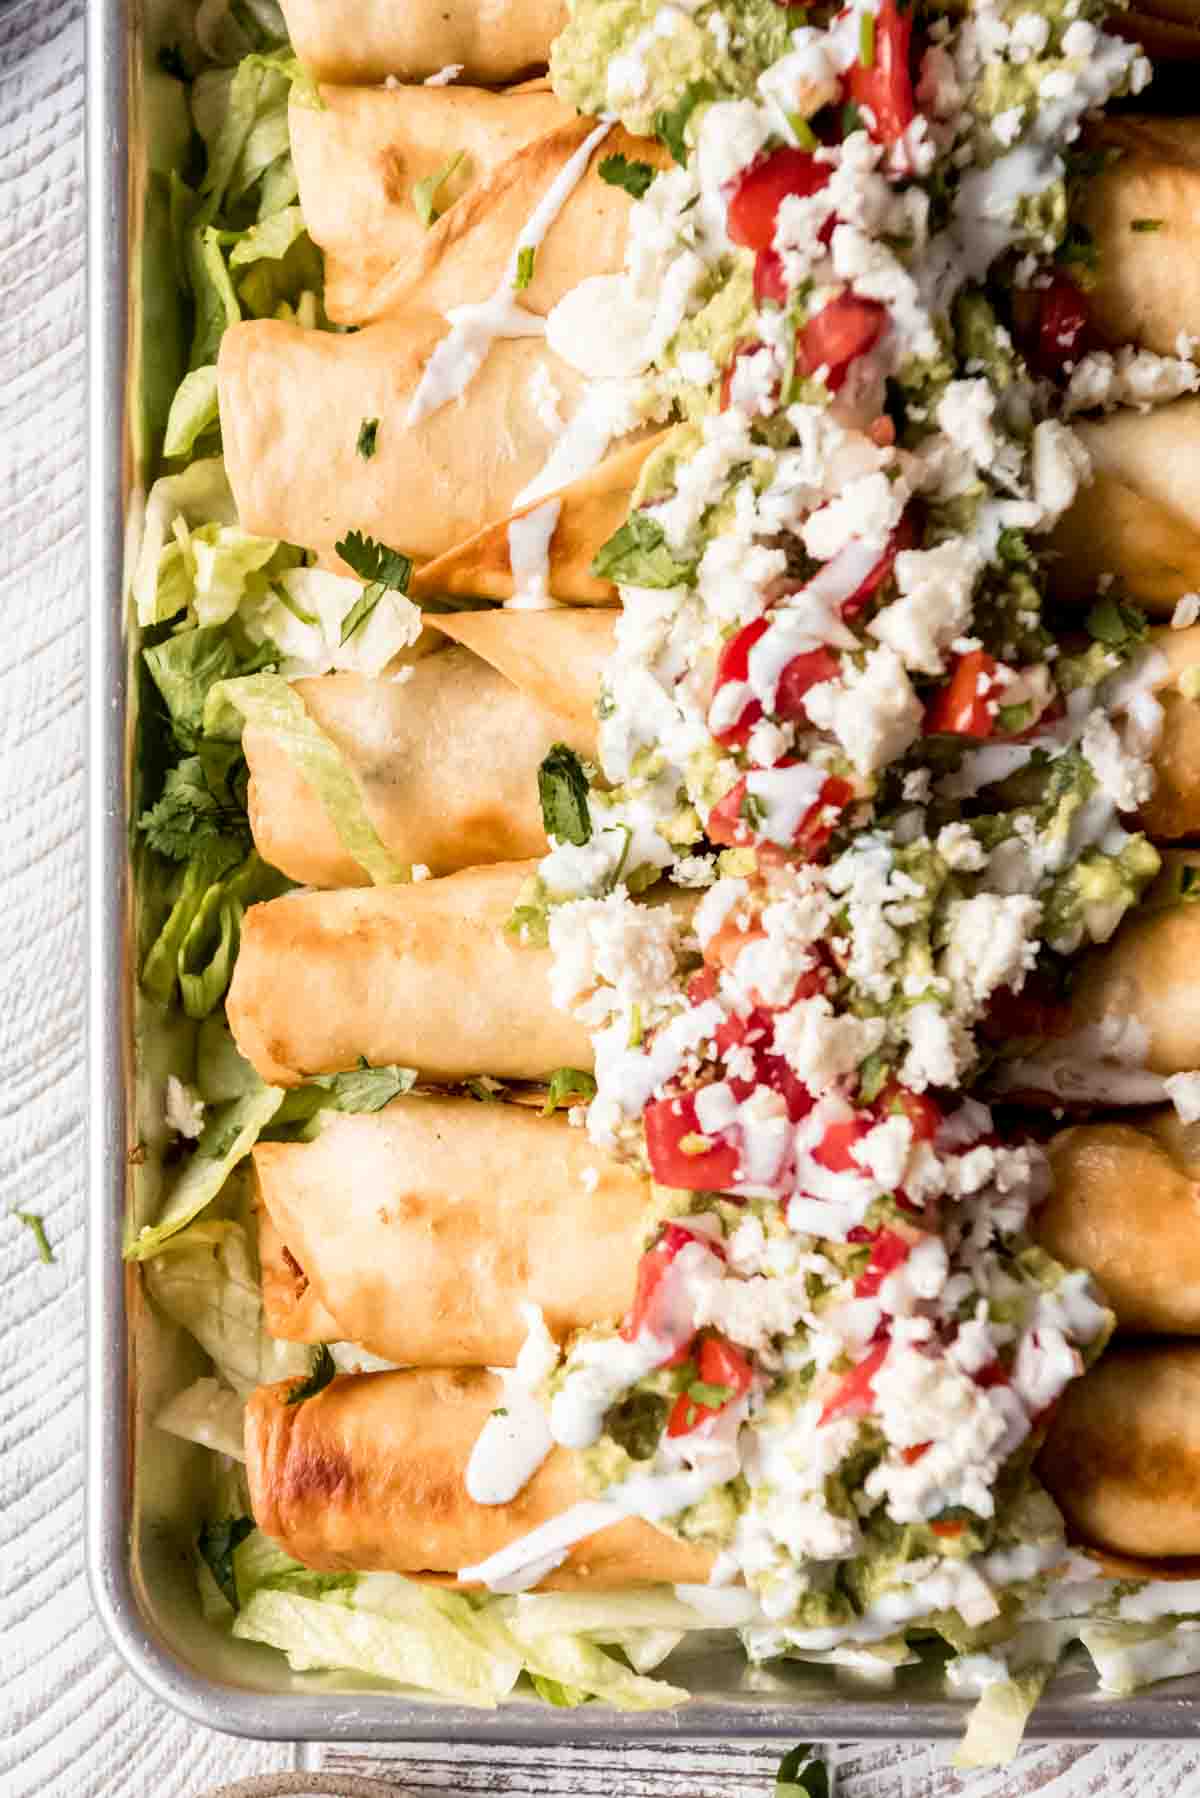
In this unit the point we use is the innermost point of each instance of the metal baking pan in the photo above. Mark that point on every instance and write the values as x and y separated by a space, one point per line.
140 1512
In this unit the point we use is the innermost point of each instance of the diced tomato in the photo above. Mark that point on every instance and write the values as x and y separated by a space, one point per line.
951 1527
1062 323
959 709
836 335
746 347
725 822
733 664
885 83
718 1364
727 826
889 1251
651 1268
669 1122
910 1455
905 536
800 674
855 1395
702 986
833 1150
762 188
922 1112
769 283
756 1033
994 1374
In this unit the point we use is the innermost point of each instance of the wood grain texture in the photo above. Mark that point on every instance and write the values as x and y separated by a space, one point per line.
73 1723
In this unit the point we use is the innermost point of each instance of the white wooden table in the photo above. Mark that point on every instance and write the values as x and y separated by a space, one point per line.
72 1721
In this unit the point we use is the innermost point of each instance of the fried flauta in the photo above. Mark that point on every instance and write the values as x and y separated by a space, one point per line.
368 40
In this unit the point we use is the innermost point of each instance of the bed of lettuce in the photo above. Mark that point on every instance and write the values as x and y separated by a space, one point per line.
225 620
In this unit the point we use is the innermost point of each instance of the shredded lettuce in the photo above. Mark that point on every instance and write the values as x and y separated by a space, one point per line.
1128 1656
198 497
230 1132
206 1279
269 703
997 1724
194 952
208 1413
193 411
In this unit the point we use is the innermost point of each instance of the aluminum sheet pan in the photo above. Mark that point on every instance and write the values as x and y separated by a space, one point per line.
141 1516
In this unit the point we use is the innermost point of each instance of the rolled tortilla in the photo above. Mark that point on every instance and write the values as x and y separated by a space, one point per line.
367 40
359 156
1147 287
293 402
1173 809
423 1228
446 761
369 1476
1123 1454
1139 516
1126 1205
424 975
1168 30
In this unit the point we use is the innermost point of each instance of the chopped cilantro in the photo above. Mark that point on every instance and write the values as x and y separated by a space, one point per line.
202 800
634 177
36 1224
323 1369
866 40
1147 224
215 1545
702 1392
368 434
802 1775
563 791
670 124
568 1086
637 556
526 257
375 562
1117 625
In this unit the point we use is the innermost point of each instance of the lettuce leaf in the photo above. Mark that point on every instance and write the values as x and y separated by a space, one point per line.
230 1132
260 1565
193 411
267 701
1128 1656
208 1413
309 614
195 949
199 495
997 1724
206 1279
185 666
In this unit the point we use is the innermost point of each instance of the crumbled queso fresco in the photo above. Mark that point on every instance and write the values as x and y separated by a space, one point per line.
890 802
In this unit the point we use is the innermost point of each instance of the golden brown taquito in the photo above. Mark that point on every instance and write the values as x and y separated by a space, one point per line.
293 402
367 40
1147 286
369 1475
423 1228
1146 981
1125 1205
359 156
1122 1457
292 1310
424 975
1173 809
446 761
1168 30
468 253
1139 516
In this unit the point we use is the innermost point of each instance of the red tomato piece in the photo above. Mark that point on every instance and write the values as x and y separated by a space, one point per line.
725 822
922 1112
756 1033
909 1455
733 664
801 673
702 986
761 189
1062 324
994 1374
904 536
889 1251
769 283
719 1364
833 1150
856 1394
836 335
816 827
951 1527
668 1123
959 709
651 1268
885 84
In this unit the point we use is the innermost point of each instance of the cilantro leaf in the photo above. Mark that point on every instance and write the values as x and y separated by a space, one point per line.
802 1775
365 1088
375 562
1143 225
368 436
198 804
323 1369
637 556
634 177
568 1086
1117 625
670 124
563 791
526 258
33 1222
425 193
704 1392
216 1543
